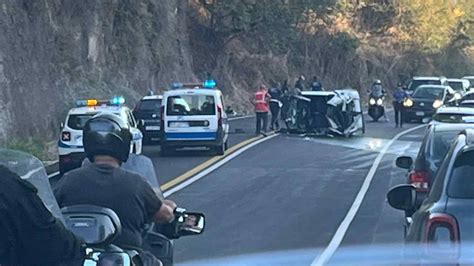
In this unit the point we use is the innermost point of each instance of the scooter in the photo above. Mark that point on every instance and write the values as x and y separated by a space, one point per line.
376 107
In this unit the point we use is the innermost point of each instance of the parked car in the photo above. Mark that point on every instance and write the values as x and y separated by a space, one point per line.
446 218
148 110
426 100
452 114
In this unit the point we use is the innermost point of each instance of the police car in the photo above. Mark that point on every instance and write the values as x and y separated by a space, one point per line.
193 115
71 150
148 110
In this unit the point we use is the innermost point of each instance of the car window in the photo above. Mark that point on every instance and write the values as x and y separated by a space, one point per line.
416 83
469 96
440 144
456 85
429 93
78 121
449 118
438 184
149 105
191 105
421 156
461 183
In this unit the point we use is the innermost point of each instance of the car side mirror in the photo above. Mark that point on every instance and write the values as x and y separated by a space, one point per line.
402 197
61 125
190 223
404 162
141 123
426 120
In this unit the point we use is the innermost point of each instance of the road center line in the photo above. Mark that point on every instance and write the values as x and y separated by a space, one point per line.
215 166
344 226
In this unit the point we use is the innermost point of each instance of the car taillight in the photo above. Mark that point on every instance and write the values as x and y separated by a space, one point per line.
66 136
442 227
219 111
420 180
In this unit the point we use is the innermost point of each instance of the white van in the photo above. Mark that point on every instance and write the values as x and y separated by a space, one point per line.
193 116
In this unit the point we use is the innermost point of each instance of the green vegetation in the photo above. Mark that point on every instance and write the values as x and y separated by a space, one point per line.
36 147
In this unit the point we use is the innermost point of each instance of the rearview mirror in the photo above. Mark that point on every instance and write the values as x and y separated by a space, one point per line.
404 162
190 223
402 197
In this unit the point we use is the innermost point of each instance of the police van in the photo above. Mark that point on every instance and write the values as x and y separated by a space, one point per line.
193 115
70 147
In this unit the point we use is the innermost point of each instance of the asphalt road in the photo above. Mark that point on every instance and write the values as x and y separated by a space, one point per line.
291 192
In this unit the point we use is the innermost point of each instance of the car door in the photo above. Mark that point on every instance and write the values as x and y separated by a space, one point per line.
137 135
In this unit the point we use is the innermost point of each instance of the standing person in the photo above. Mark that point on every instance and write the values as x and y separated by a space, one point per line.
300 83
275 106
399 97
261 109
316 84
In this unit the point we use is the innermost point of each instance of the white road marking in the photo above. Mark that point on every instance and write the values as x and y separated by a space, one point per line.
215 166
344 226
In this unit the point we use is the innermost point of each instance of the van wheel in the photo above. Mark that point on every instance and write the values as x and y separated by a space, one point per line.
220 150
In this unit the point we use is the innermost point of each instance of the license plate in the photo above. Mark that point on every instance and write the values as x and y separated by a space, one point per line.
152 128
420 113
179 124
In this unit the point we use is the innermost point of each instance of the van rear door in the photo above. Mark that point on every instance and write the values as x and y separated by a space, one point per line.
191 115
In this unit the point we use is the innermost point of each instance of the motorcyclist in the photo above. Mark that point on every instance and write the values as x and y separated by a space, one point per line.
275 105
103 183
29 233
316 84
378 91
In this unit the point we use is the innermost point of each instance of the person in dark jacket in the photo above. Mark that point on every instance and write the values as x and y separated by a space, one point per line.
29 233
316 84
399 96
275 106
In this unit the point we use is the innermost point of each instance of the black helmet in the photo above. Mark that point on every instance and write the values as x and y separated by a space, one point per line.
107 134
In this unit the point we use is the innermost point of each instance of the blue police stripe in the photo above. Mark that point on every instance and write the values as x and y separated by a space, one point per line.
193 135
64 145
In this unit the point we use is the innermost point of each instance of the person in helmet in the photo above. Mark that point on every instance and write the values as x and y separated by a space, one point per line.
399 96
107 140
377 89
29 233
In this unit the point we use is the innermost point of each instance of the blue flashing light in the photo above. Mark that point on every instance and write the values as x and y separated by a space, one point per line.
177 85
117 100
210 84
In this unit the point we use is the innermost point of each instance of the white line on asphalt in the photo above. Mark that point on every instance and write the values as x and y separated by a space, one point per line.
342 229
53 174
240 117
214 167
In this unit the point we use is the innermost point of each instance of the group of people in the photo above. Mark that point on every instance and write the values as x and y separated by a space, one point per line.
271 101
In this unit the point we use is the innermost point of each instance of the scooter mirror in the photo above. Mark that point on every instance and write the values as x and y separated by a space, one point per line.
190 223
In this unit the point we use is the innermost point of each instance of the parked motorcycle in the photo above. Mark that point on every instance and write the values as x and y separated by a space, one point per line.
376 107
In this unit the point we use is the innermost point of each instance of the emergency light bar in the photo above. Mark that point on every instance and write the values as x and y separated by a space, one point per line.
118 100
208 84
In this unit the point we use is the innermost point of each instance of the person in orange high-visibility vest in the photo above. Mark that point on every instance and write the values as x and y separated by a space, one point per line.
261 109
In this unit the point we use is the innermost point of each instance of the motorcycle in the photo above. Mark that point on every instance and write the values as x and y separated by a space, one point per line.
98 226
376 106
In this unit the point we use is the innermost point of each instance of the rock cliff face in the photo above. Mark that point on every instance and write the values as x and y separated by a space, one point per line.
54 51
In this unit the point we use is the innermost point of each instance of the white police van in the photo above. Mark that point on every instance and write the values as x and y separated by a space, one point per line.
193 115
70 147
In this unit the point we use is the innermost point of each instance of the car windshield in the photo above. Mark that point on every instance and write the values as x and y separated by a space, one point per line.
461 184
149 105
440 144
456 85
191 105
418 82
429 93
77 122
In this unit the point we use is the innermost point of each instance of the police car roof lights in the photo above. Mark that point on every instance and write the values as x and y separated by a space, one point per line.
208 84
117 100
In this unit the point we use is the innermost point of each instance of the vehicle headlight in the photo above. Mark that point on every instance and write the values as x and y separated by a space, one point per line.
379 101
437 104
408 103
372 101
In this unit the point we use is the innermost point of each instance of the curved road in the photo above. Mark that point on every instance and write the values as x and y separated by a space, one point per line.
291 192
